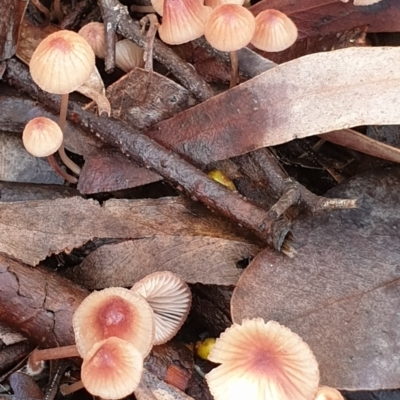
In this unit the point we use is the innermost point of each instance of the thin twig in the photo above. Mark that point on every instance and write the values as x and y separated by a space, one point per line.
42 9
152 20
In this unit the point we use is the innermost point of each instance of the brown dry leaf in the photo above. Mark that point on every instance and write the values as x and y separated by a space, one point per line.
308 96
321 17
341 292
195 259
31 231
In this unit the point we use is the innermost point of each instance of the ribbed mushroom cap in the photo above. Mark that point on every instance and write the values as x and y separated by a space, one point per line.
42 137
275 31
128 55
365 2
62 62
216 3
158 6
183 20
112 369
170 298
328 393
262 361
94 34
229 27
114 312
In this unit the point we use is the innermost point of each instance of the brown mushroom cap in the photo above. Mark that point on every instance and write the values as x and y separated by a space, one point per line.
170 298
42 137
183 20
112 369
275 31
94 34
229 27
114 312
262 361
62 62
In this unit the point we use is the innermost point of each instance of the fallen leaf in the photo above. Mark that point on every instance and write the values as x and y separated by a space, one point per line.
341 292
193 258
311 95
31 231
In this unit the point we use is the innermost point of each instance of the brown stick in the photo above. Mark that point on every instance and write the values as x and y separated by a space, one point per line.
110 18
152 20
130 29
152 155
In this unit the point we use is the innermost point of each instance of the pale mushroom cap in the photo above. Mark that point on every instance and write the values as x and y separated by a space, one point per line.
128 55
112 369
62 62
94 34
114 312
328 393
262 361
158 6
275 31
170 298
229 27
365 2
42 137
183 21
216 3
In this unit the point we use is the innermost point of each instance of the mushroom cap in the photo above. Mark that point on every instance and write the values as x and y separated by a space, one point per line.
365 2
262 361
128 55
229 27
328 393
158 6
170 298
112 369
94 34
62 62
42 137
216 3
183 20
115 312
275 31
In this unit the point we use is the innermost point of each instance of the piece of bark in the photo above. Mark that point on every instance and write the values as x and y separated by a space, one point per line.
194 259
341 292
31 231
24 387
9 336
141 98
10 355
11 13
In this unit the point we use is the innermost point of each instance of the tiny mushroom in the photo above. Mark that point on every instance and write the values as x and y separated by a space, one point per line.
363 2
128 55
170 298
262 361
112 369
183 20
230 27
95 35
115 312
275 31
328 393
61 63
216 3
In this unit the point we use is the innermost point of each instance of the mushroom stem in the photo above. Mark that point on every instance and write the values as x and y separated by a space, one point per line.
234 68
73 387
54 353
59 171
61 122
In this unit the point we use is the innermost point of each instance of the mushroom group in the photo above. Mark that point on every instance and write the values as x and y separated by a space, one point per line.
116 328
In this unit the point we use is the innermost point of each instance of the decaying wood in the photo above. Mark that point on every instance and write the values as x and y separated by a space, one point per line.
11 13
31 231
152 155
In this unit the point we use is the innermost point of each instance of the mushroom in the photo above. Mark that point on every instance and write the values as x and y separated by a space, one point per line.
42 137
262 361
229 28
216 3
115 312
61 63
94 34
363 2
275 31
328 393
112 369
128 55
183 20
170 298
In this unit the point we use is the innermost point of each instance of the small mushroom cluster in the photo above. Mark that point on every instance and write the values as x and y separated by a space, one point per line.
226 24
116 328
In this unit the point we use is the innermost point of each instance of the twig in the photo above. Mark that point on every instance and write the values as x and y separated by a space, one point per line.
152 155
152 20
110 18
72 20
130 29
57 11
42 9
